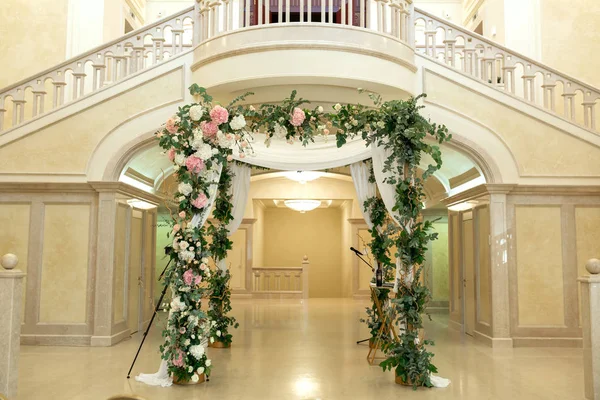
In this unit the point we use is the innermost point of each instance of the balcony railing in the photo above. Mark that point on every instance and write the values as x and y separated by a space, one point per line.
505 70
278 281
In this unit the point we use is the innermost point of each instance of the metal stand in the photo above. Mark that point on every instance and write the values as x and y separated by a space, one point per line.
372 270
162 295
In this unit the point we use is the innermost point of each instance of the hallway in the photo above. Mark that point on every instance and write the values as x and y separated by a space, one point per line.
287 350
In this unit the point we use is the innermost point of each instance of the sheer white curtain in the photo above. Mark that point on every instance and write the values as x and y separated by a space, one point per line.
364 189
240 186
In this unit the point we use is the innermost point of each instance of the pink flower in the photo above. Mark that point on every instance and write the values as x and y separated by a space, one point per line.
159 134
297 117
176 228
194 164
219 115
171 154
325 131
188 277
200 201
171 126
229 157
197 280
178 360
244 144
209 129
182 330
242 155
182 214
202 266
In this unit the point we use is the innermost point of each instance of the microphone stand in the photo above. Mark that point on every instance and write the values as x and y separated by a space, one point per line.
372 270
162 295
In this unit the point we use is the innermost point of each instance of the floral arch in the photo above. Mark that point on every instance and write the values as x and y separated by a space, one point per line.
206 143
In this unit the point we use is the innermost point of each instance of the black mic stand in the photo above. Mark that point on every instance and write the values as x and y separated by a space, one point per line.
162 295
372 270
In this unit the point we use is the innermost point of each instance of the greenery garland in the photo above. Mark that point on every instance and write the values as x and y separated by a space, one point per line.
200 140
219 303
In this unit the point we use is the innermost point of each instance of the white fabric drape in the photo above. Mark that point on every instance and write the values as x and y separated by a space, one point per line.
387 191
364 189
240 187
212 176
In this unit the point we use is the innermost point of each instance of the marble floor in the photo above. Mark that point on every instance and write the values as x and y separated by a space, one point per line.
290 350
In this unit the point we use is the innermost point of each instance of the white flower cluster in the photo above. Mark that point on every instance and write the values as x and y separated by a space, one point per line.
226 140
196 112
185 189
237 122
204 151
280 131
177 304
186 255
198 139
179 159
197 351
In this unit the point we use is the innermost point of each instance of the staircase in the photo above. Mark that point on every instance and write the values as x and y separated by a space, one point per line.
438 40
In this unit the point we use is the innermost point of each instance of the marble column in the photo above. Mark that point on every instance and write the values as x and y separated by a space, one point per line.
590 319
499 246
11 296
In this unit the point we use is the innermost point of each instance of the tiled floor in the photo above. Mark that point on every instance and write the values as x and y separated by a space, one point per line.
289 350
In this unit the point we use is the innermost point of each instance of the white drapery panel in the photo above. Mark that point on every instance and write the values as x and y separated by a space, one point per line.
360 172
294 157
213 176
240 187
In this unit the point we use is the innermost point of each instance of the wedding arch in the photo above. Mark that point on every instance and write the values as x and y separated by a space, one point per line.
211 147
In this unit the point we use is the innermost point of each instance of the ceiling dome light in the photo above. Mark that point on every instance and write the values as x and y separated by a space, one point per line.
302 205
303 176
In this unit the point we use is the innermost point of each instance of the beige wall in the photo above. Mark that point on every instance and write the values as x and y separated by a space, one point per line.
33 37
290 235
259 234
346 255
570 34
439 264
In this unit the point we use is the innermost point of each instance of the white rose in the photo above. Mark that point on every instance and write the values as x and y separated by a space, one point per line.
197 351
381 124
175 139
208 362
219 333
177 304
190 369
320 109
337 107
183 245
185 189
200 370
180 159
204 151
176 168
205 261
196 112
237 122
187 343
212 340
186 255
195 378
215 151
280 131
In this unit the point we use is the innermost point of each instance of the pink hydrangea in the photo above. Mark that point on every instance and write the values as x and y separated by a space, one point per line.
209 129
219 115
297 117
178 359
171 154
197 280
171 127
200 201
188 277
194 164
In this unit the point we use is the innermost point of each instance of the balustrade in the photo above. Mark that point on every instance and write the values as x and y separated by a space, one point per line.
505 70
391 17
281 280
96 69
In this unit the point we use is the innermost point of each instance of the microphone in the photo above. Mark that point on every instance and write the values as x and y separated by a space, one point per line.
356 251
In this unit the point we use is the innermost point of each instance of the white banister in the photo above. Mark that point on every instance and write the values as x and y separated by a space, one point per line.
11 294
503 69
281 280
100 66
305 277
590 321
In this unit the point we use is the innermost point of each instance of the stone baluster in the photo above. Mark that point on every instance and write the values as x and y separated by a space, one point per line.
489 66
257 281
549 87
11 296
508 76
2 112
99 68
39 96
18 107
78 80
395 17
469 60
589 110
197 21
529 87
59 89
569 100
158 45
305 264
176 41
287 279
277 280
450 50
430 43
590 320
409 23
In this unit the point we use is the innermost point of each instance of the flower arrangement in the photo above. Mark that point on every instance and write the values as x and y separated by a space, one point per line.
200 140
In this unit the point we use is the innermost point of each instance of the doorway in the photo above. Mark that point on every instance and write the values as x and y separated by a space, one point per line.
468 267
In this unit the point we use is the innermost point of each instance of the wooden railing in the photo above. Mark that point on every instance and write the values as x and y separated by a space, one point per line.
281 280
95 69
505 70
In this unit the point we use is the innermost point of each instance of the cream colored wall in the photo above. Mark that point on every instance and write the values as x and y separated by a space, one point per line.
157 9
259 234
33 37
455 275
484 313
439 263
121 245
290 235
447 9
346 260
163 228
365 275
570 34
560 155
